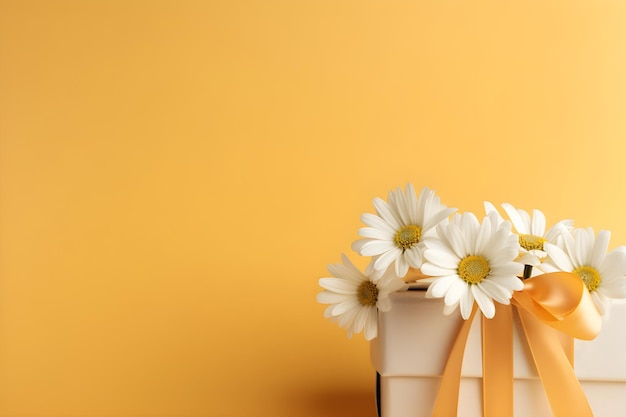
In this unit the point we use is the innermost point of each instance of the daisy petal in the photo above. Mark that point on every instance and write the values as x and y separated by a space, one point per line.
337 285
614 265
377 247
437 218
449 309
538 225
439 288
490 208
436 271
387 214
328 297
495 291
402 266
375 233
414 257
344 306
444 259
484 302
456 291
600 248
559 257
466 303
386 259
378 223
516 219
371 325
359 321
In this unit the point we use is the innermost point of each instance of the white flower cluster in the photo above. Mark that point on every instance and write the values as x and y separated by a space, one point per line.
469 260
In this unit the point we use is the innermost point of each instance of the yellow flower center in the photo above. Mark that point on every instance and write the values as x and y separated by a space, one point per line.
473 269
407 236
531 242
367 293
590 277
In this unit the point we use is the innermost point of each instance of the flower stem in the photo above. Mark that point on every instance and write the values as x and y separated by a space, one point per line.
528 269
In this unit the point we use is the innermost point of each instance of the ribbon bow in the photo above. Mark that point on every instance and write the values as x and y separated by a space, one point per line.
550 306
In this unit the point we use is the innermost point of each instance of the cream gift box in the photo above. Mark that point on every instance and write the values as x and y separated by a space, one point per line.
415 337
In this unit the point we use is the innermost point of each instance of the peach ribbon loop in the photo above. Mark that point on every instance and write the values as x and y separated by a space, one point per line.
561 300
550 306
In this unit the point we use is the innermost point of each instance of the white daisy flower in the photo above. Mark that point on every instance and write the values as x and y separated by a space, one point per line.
396 234
473 261
586 256
355 298
531 231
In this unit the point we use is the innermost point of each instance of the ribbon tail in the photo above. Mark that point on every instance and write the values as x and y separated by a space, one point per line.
566 396
447 401
497 340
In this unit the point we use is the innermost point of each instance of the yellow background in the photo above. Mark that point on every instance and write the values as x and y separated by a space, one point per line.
175 176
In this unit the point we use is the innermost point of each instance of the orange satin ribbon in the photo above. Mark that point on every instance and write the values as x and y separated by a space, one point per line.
555 301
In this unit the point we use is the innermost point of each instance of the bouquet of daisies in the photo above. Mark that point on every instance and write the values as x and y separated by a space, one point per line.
467 260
